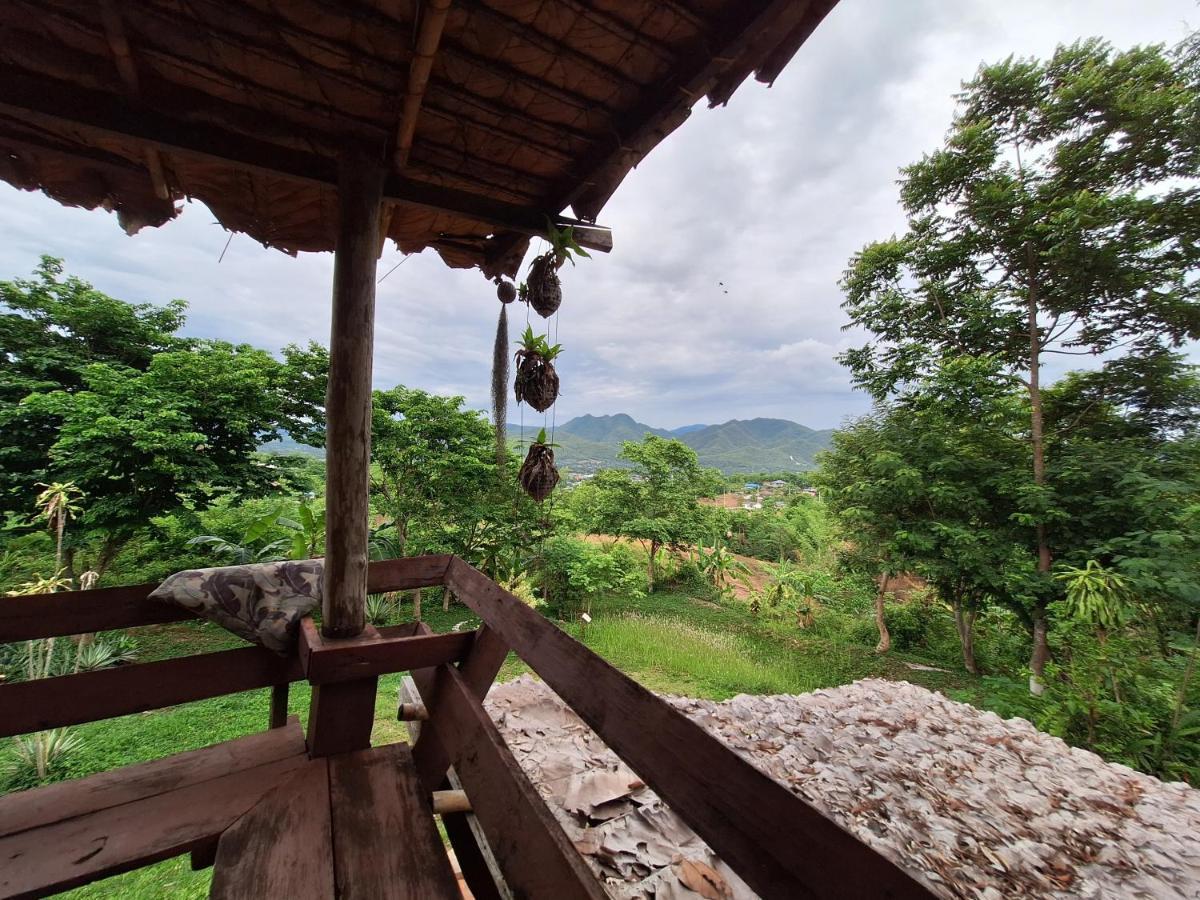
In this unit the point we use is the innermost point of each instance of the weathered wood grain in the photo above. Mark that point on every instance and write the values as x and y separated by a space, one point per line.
533 852
27 706
777 842
385 841
82 612
69 853
283 846
395 649
36 807
348 401
479 670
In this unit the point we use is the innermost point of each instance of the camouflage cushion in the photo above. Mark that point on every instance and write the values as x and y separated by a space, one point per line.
262 603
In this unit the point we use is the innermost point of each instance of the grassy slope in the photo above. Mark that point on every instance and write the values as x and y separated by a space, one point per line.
670 642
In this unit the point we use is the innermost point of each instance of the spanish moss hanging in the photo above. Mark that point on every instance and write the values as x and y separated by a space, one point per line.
506 293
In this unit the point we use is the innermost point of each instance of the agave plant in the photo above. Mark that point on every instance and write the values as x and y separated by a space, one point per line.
104 654
381 607
538 474
537 381
33 756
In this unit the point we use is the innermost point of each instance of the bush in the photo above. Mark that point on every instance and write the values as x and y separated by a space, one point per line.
575 573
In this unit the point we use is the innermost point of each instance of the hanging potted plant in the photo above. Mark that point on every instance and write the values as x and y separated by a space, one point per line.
536 382
543 290
538 474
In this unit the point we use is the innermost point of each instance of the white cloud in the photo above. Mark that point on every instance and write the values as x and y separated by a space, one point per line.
770 195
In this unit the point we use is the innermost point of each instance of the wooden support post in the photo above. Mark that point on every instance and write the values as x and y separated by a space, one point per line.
348 403
279 701
342 714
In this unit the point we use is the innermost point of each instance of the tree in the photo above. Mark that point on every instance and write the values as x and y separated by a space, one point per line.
926 484
1060 217
104 394
51 329
57 504
657 501
435 462
140 444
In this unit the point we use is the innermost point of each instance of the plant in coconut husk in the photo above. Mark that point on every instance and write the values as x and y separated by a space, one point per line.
536 382
538 474
543 290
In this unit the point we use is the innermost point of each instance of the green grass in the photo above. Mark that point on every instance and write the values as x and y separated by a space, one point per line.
669 641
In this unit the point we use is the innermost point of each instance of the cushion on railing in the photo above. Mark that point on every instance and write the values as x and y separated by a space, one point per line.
262 603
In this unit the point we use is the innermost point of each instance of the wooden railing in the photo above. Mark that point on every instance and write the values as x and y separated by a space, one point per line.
777 842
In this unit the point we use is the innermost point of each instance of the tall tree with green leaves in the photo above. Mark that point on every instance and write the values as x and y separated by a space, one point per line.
52 327
1062 216
657 500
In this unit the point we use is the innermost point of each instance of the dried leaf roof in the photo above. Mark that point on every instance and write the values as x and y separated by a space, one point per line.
529 106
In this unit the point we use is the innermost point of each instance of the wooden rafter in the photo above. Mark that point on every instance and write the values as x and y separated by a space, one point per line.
115 33
433 21
102 114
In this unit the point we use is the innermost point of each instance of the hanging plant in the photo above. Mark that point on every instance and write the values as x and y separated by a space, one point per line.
506 292
543 290
538 474
536 382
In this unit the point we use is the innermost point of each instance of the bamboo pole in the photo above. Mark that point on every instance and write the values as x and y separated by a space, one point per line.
348 402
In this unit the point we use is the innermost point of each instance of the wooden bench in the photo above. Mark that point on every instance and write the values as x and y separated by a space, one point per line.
276 815
67 834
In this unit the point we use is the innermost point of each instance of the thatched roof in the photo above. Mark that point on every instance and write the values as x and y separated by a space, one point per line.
528 107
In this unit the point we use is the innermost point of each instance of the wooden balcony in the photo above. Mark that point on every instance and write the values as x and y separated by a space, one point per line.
322 814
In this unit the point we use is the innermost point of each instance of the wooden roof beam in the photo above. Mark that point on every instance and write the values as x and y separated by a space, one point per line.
59 105
114 32
433 22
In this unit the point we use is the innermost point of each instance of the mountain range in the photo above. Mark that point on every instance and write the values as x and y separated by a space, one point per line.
587 443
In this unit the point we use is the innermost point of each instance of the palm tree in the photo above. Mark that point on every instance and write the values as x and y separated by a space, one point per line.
57 504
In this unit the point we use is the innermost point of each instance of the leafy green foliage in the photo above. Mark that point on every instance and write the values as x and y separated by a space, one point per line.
563 243
538 344
657 500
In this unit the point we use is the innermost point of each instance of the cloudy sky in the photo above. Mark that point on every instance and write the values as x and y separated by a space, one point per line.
770 195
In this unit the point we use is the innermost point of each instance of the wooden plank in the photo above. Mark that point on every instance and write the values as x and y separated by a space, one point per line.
479 670
66 854
129 606
341 716
328 661
83 612
475 858
408 572
283 846
24 810
27 706
348 400
279 706
777 842
535 855
386 846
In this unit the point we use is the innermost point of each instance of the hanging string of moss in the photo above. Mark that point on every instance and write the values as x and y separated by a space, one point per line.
506 293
